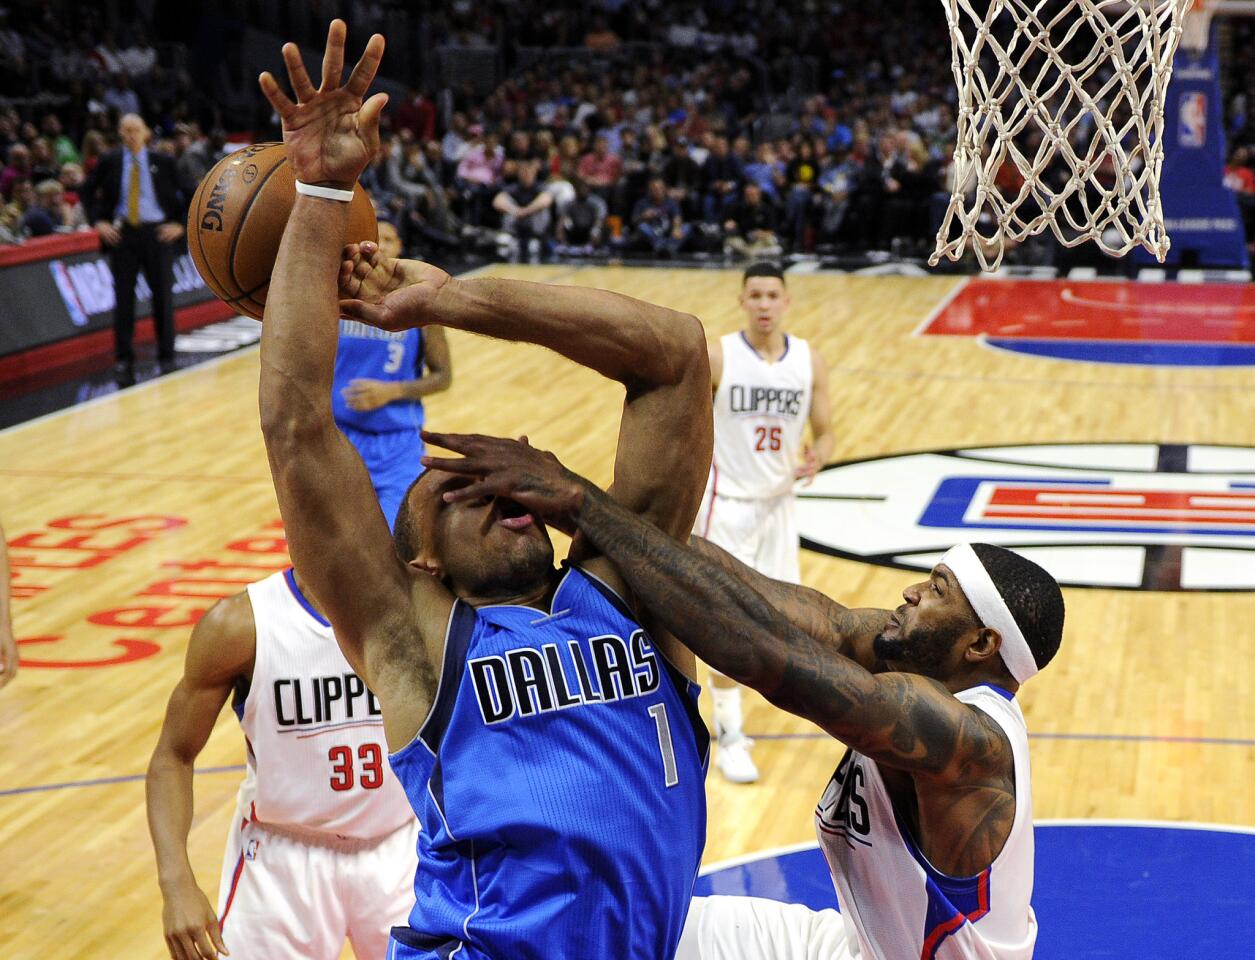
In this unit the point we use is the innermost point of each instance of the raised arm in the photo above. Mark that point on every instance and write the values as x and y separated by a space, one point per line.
387 618
820 617
658 354
906 721
219 654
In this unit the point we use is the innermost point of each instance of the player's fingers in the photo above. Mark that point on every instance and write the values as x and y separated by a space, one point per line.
364 73
333 55
204 943
180 948
462 443
369 313
278 99
487 487
297 76
215 931
368 120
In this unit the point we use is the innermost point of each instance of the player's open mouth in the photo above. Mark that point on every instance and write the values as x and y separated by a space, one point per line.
512 515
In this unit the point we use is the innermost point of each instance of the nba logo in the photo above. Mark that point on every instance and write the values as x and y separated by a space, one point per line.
1192 120
250 851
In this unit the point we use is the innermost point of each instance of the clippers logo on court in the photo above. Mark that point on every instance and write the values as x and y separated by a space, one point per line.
1192 120
1116 515
1152 324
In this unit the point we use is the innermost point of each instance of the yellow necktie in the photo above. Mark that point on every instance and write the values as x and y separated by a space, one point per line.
132 197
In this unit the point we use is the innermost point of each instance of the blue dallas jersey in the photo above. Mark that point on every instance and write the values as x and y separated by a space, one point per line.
559 780
366 353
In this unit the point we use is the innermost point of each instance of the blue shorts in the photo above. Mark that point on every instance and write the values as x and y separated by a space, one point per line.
393 461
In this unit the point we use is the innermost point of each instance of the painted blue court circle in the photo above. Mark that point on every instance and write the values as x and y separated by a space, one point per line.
1103 890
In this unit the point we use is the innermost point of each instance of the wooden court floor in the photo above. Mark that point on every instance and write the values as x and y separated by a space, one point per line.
127 516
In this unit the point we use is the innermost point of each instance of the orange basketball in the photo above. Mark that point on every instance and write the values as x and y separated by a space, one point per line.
237 217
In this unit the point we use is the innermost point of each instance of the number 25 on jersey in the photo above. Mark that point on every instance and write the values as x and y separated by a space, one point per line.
767 438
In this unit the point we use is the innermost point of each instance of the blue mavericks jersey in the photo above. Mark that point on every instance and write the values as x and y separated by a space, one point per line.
559 780
368 353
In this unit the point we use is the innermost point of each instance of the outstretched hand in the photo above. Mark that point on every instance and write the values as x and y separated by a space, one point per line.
513 469
386 292
330 134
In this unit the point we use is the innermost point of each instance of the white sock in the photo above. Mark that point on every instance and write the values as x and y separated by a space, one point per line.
727 713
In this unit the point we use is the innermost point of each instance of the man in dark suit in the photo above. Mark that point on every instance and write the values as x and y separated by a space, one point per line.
134 200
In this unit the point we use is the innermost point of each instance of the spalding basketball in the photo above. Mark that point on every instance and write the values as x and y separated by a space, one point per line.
237 217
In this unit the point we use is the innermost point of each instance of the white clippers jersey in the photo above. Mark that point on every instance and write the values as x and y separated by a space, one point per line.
761 410
316 753
900 906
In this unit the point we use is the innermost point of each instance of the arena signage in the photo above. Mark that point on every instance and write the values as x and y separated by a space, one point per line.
1115 515
44 301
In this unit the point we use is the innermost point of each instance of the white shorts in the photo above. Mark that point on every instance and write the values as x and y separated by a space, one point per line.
284 897
760 533
751 928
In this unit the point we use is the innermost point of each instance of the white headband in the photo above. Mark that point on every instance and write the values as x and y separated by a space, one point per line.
991 609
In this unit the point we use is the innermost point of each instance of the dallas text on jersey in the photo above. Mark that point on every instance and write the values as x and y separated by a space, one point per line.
766 400
527 681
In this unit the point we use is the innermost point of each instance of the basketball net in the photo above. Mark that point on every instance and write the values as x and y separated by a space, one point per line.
1060 123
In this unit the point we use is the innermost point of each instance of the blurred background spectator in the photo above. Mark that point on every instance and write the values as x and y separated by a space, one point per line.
842 117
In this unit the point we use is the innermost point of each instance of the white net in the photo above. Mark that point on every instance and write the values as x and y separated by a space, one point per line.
1060 123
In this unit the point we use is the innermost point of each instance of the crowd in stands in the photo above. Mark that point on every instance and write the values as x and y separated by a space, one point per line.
662 129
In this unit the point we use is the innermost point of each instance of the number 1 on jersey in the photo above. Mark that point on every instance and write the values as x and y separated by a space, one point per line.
659 712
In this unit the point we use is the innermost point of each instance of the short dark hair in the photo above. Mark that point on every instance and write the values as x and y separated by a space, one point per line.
1031 594
406 541
763 268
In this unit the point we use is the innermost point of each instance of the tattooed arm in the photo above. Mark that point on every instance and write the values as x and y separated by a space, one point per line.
850 632
904 721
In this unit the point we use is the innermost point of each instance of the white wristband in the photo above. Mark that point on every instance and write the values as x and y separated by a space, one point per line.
326 193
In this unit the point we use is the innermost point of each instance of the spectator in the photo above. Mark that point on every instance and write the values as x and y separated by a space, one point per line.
751 226
19 167
600 36
657 221
525 210
684 178
479 173
721 180
120 97
765 169
601 169
94 144
139 59
454 144
417 115
193 156
63 148
49 213
133 198
1239 177
44 165
21 200
581 221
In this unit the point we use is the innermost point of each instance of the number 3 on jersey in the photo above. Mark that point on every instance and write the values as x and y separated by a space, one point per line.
767 438
396 353
371 772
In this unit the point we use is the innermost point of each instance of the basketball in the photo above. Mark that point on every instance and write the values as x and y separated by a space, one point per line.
236 220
